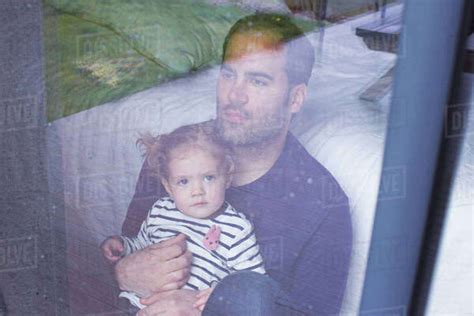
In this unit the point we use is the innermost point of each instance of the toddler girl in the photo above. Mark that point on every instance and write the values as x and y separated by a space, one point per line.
195 167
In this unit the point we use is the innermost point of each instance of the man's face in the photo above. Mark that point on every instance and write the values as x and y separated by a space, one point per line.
252 92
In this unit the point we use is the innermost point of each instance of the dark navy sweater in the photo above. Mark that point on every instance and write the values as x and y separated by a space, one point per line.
302 223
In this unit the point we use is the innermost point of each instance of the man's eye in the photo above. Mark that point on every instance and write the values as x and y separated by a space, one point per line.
227 74
258 82
209 178
182 182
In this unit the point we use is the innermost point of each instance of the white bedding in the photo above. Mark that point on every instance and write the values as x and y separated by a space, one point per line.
453 279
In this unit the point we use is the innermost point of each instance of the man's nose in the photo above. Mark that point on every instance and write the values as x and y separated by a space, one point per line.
238 93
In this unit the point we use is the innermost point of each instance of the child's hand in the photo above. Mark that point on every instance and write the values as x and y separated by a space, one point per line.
202 298
112 248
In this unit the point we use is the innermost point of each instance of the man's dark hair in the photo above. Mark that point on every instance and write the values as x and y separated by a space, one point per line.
300 52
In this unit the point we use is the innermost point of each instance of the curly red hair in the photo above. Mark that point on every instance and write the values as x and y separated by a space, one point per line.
202 135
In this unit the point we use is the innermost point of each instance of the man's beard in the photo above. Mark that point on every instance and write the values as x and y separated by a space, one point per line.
260 130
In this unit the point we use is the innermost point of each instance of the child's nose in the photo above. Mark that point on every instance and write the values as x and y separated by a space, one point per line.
198 189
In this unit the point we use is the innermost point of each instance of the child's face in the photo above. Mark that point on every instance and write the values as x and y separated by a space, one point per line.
196 181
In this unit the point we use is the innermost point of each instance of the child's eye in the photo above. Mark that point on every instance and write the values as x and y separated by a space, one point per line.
209 178
182 182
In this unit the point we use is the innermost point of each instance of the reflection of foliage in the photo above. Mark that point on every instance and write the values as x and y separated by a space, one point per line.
102 71
102 50
110 71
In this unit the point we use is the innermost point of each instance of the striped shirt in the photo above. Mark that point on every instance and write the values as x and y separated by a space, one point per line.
238 249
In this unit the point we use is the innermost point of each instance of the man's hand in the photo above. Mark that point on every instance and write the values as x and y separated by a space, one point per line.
112 248
160 267
177 302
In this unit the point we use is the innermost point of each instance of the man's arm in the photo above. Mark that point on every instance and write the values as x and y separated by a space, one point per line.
320 274
147 191
160 267
178 302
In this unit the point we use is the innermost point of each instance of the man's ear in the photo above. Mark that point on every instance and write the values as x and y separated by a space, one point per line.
167 186
297 97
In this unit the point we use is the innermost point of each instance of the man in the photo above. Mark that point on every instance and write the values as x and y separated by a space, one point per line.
300 213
